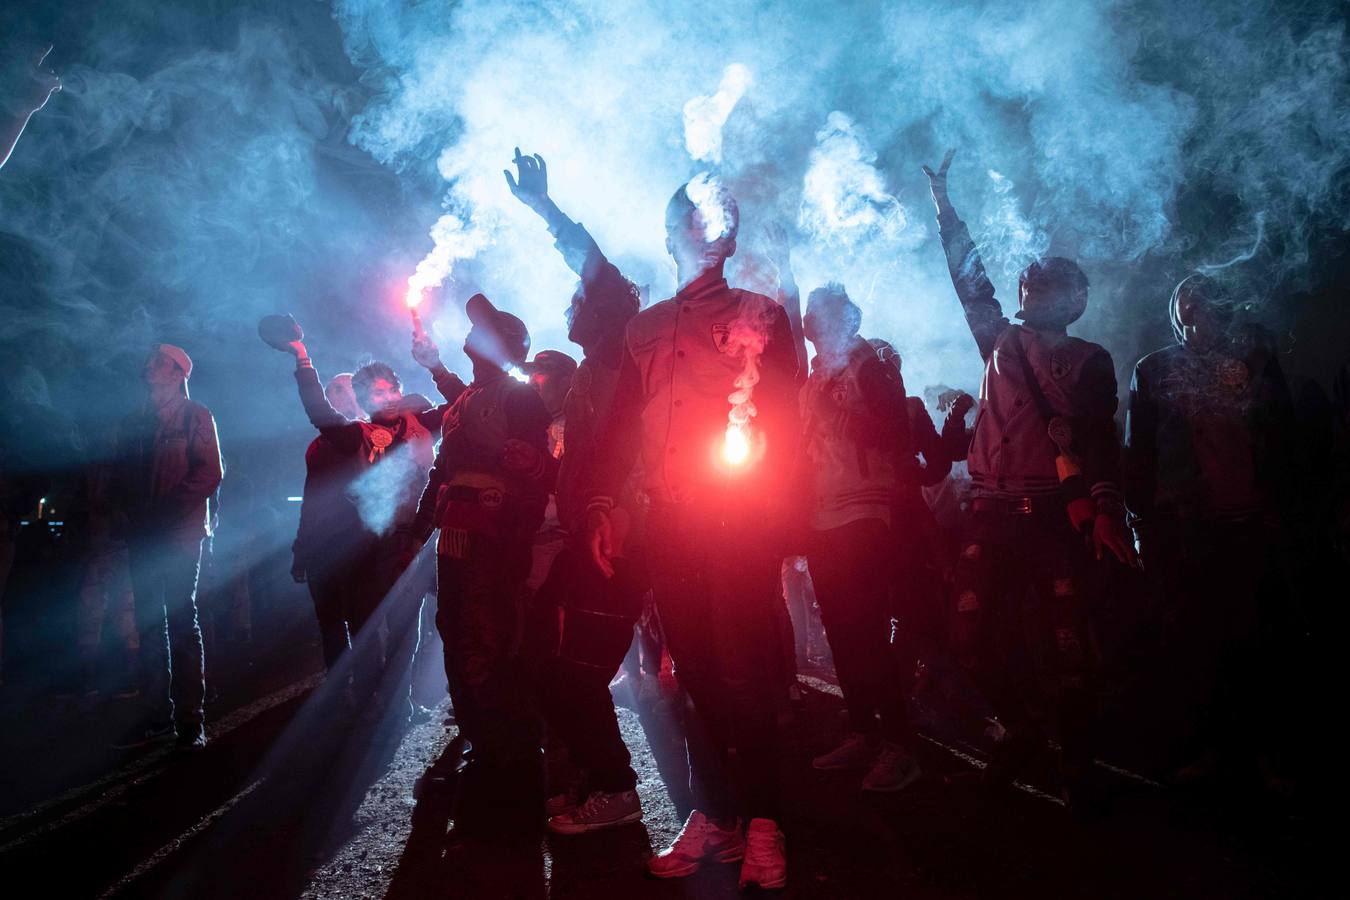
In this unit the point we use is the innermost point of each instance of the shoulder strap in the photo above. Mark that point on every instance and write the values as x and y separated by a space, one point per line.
1029 376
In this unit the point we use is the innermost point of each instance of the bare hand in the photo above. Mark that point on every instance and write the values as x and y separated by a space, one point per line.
600 537
298 349
1109 533
425 351
531 185
937 181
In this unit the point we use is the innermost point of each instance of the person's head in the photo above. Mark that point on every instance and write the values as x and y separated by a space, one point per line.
702 221
497 338
378 391
342 397
1052 293
1201 311
551 374
831 319
167 368
589 318
887 353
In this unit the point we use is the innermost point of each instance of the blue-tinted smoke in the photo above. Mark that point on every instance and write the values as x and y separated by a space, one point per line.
214 161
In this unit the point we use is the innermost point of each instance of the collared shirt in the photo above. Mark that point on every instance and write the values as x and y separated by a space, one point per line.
671 404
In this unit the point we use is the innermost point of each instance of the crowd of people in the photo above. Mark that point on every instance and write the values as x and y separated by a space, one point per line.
697 473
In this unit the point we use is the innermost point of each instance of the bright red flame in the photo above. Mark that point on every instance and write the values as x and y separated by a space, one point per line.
736 445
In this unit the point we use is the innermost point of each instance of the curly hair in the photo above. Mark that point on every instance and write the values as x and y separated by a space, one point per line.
367 375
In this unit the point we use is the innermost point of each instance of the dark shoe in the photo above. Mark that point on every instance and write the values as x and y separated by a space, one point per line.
145 738
191 738
1010 758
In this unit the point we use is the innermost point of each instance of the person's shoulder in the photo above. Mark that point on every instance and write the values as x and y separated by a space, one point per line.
197 410
1161 358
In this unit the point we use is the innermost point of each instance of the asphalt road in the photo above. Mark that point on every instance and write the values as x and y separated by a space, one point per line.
289 802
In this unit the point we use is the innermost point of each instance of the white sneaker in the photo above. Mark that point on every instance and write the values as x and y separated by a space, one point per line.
853 753
893 771
699 840
600 810
765 856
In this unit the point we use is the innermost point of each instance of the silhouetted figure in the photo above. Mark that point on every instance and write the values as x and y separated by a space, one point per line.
1044 467
713 544
169 470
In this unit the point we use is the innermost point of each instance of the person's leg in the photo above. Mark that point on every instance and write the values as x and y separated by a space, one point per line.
849 567
684 603
479 637
1056 553
744 589
90 615
147 578
325 591
188 664
598 615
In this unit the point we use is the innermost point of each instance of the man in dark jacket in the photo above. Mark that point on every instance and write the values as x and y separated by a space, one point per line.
329 526
581 623
380 468
169 470
486 496
719 488
1048 402
1207 471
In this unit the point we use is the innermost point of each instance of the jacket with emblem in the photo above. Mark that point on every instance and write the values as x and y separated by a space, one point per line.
1012 455
856 424
388 461
470 489
671 403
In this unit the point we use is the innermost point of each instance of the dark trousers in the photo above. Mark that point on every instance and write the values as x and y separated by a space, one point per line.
1031 657
581 625
851 567
1213 578
715 591
477 599
328 590
164 570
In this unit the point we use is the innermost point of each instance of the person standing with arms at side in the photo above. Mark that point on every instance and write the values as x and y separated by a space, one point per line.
713 543
170 468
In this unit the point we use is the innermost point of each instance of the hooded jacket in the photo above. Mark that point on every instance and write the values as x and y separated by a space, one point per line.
1205 430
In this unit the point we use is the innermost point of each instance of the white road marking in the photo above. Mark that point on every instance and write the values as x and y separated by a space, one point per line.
168 849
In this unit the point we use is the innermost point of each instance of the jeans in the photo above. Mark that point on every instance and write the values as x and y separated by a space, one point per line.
164 570
715 589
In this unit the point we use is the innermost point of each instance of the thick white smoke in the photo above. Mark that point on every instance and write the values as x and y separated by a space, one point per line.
1074 136
209 162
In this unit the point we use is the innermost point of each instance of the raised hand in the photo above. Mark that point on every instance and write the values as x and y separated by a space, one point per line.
530 185
425 351
937 181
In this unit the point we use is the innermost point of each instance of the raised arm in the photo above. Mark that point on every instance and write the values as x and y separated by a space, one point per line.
450 385
984 315
40 87
1141 447
789 296
607 299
